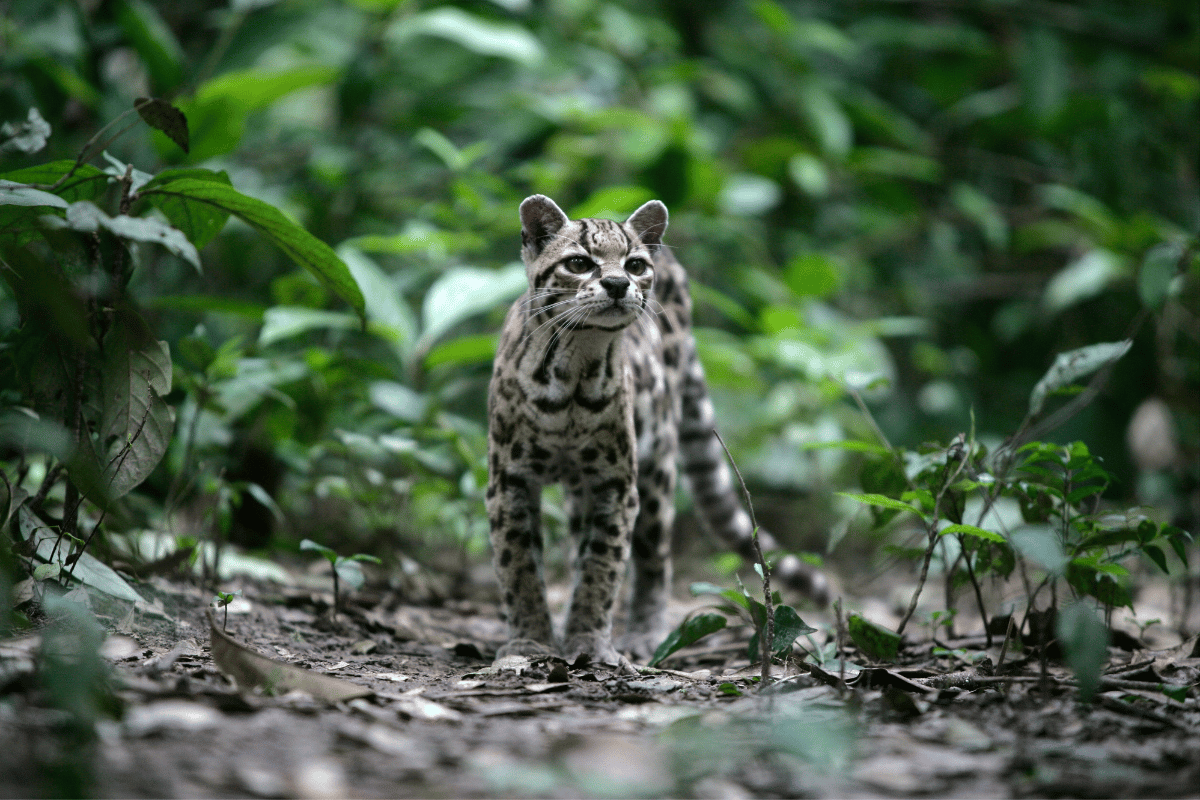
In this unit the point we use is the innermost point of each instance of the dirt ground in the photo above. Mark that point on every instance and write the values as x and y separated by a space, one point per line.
423 712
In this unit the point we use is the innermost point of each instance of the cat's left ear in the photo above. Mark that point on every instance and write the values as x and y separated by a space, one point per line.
650 222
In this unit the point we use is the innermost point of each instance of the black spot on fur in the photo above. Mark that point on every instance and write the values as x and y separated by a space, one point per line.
588 454
517 449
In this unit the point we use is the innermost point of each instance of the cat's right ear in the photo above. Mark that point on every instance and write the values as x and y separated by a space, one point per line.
541 218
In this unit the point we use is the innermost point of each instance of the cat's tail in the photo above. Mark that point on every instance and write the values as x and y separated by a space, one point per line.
715 495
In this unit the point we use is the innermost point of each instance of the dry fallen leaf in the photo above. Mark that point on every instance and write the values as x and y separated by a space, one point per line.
248 669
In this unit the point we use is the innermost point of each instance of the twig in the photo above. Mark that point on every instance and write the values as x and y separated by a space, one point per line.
767 640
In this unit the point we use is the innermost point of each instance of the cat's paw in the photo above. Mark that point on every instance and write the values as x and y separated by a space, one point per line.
597 647
524 647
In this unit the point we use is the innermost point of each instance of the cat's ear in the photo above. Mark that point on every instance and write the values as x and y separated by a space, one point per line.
650 222
541 218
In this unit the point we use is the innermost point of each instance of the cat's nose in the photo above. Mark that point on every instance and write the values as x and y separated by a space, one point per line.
615 285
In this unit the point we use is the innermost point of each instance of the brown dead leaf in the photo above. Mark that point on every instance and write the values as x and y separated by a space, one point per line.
248 669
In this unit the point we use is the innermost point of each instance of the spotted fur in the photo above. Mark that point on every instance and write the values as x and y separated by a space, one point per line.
596 385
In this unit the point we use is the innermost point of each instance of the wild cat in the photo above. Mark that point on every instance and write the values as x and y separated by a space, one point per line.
597 385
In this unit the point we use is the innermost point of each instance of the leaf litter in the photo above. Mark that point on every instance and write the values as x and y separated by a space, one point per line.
392 700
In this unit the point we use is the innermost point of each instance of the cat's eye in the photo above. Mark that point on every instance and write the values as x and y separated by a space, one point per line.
636 266
578 265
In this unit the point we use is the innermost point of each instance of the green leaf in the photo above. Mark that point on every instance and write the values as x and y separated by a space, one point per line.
1041 544
200 222
463 351
734 596
876 641
613 202
155 43
1073 365
1084 639
399 400
1156 555
1082 279
788 626
350 572
136 423
49 546
853 445
471 32
881 501
463 292
329 553
971 530
300 245
282 322
691 631
1157 274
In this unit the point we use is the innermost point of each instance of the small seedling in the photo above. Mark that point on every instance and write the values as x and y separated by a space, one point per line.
222 600
344 568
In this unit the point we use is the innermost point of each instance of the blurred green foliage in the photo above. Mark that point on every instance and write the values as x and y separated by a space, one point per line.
941 195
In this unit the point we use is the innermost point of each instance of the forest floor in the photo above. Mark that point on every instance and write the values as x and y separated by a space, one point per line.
419 710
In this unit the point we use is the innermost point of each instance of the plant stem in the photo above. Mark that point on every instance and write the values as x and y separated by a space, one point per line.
767 637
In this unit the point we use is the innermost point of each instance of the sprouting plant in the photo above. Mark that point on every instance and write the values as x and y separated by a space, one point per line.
222 600
1032 507
345 568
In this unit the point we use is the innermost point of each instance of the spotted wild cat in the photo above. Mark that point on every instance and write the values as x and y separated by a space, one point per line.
596 385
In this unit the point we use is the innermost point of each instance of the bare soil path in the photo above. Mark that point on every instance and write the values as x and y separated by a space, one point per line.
435 717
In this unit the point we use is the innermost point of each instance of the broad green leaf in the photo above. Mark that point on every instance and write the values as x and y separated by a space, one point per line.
1157 274
1074 364
16 194
471 32
399 400
876 641
52 548
86 216
301 246
200 222
692 630
282 322
86 183
1084 639
1041 544
613 202
385 305
1082 279
350 572
983 211
1155 554
894 163
734 596
464 351
463 292
749 195
971 530
328 552
881 501
136 424
852 445
154 41
254 89
788 626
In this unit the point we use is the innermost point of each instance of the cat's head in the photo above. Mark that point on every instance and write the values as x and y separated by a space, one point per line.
597 270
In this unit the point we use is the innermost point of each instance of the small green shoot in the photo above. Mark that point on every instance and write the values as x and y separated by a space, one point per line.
345 568
691 631
222 600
